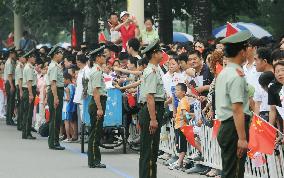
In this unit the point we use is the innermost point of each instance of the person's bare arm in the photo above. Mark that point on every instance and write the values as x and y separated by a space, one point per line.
203 88
10 79
272 114
135 72
239 120
257 107
133 85
97 99
30 90
117 28
67 94
54 92
152 112
20 83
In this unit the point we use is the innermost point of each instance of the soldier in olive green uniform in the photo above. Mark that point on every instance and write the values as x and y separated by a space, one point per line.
29 93
232 107
97 106
55 96
9 76
152 97
18 82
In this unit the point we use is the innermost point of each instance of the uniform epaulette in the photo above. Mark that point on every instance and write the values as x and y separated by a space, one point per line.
240 72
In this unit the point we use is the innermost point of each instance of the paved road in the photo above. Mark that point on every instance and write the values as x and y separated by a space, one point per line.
32 159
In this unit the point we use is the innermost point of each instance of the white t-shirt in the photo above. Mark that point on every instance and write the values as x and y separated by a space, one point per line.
168 83
85 72
114 35
261 95
251 75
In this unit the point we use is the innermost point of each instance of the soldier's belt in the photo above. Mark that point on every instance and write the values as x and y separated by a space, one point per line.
247 118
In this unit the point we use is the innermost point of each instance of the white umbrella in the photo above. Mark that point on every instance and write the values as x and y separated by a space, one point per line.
256 30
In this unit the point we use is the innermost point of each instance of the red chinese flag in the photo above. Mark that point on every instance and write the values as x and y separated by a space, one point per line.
10 39
261 136
216 127
36 101
189 134
194 91
165 58
73 36
230 29
102 37
219 68
47 115
2 84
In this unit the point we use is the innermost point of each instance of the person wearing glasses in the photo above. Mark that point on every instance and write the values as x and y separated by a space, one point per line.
55 83
150 116
97 106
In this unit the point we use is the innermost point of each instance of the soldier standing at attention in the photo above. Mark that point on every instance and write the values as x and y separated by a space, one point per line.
97 106
9 76
232 107
152 98
29 93
18 82
55 96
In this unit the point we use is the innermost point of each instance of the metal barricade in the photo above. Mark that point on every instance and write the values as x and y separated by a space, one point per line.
273 168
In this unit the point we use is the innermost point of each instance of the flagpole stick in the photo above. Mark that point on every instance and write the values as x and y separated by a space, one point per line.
269 124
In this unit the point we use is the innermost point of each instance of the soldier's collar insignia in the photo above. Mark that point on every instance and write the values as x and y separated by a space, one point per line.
240 72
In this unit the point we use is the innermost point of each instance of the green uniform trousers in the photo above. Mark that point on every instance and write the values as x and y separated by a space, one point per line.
19 109
10 103
55 117
149 146
28 109
94 154
232 166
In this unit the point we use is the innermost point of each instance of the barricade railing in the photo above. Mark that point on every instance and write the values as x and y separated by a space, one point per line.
273 168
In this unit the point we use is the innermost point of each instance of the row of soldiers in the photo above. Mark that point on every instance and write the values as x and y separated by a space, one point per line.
152 96
21 85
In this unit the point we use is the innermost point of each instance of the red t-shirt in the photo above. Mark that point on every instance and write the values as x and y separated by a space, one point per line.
127 34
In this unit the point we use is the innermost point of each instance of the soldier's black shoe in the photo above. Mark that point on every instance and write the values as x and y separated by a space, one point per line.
57 148
30 137
98 165
11 123
33 129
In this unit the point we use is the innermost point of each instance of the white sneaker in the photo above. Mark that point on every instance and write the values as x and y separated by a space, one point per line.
175 165
67 140
165 156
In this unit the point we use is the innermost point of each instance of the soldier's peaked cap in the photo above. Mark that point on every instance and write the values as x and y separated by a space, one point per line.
238 37
54 49
29 53
152 46
97 51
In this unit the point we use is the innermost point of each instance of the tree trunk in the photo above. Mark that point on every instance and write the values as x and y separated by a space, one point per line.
187 25
202 21
18 29
165 21
91 21
79 25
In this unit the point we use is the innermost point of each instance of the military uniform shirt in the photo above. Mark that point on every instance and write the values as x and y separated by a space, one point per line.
19 72
55 73
96 81
231 87
152 83
29 75
9 69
